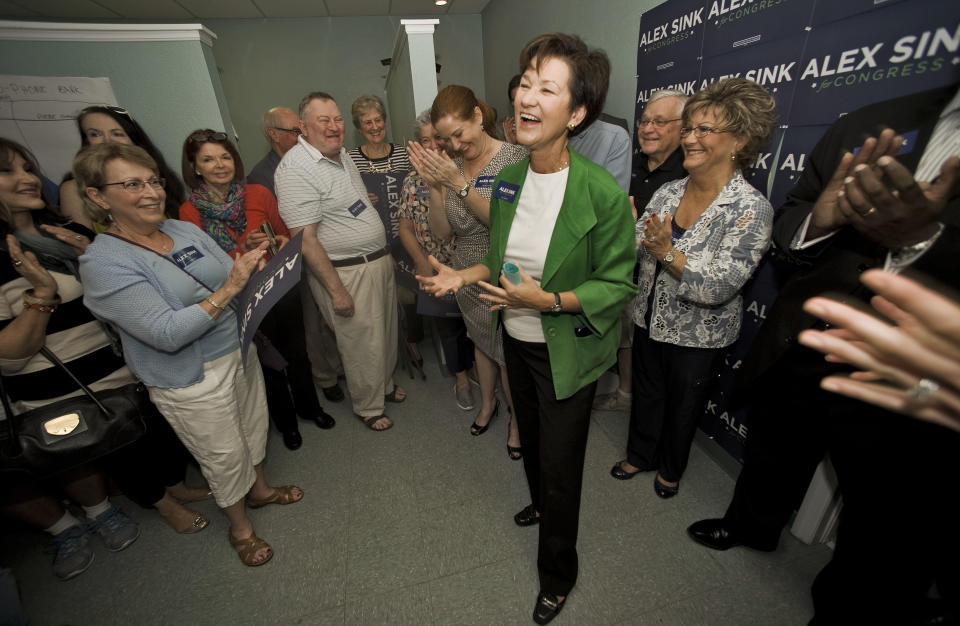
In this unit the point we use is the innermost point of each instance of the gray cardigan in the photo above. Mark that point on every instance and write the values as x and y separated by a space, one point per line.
159 331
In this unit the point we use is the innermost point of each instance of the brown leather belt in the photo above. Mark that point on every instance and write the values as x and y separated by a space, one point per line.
364 258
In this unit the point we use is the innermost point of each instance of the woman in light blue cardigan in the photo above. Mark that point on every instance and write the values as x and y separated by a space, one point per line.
149 278
701 239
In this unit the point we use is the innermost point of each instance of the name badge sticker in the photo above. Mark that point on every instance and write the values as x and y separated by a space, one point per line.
506 191
356 208
484 182
186 257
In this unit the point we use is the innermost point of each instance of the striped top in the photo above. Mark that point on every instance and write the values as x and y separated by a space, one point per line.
73 334
312 189
396 161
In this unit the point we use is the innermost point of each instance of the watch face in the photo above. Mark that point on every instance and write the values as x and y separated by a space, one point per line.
463 193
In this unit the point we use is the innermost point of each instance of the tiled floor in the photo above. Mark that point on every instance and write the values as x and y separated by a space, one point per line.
414 526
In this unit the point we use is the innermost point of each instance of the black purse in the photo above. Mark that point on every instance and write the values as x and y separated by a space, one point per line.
50 439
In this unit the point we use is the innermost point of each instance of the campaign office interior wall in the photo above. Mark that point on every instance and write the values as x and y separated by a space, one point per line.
273 62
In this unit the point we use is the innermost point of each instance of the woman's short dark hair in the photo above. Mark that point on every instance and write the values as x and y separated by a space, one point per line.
175 194
589 71
90 170
512 85
8 148
191 146
743 107
459 101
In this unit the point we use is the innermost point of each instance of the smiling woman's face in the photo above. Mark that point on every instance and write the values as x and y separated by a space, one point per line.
19 185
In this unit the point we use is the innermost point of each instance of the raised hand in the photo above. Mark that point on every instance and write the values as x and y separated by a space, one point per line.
446 280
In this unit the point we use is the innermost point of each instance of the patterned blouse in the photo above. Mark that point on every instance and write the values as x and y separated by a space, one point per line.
414 200
723 248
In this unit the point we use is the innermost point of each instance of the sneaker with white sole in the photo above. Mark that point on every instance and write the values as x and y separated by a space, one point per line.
115 528
464 397
614 401
73 553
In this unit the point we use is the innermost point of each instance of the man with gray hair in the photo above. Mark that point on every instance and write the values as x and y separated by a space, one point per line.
281 127
320 193
660 161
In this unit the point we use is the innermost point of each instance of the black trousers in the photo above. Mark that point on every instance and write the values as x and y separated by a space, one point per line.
898 477
670 386
290 392
457 347
554 437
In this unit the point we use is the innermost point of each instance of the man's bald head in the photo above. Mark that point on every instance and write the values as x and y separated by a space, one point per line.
281 126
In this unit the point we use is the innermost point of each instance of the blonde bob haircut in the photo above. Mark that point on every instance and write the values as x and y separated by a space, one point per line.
89 170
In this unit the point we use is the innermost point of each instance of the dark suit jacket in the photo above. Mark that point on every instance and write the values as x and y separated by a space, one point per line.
835 265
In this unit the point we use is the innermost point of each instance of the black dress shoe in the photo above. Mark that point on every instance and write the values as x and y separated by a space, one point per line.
527 517
720 535
663 490
324 420
332 393
293 440
547 607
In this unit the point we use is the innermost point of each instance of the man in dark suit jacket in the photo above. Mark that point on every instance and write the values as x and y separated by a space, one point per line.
898 477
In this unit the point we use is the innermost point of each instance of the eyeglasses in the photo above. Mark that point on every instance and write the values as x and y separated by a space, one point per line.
295 131
112 109
700 131
137 186
659 123
371 123
201 137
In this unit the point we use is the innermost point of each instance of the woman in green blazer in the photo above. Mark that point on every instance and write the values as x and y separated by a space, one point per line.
562 231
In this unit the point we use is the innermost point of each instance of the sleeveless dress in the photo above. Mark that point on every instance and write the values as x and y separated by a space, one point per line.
473 241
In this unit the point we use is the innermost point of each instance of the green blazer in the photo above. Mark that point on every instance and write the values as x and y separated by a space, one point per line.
592 252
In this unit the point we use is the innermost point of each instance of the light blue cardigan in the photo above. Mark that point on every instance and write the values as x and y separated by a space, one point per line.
159 332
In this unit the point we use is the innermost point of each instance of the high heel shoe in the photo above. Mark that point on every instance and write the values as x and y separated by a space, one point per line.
476 429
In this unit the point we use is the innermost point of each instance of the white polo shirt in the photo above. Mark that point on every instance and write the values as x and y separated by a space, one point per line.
312 189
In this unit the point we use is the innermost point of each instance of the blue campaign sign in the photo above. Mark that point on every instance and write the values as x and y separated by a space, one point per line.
899 50
387 187
773 65
266 287
831 11
671 36
737 24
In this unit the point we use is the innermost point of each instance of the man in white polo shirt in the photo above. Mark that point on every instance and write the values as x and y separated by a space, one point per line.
320 192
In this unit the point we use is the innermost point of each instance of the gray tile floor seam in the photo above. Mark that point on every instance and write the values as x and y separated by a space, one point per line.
414 526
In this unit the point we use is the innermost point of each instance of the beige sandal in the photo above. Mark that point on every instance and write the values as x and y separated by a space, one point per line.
247 549
281 495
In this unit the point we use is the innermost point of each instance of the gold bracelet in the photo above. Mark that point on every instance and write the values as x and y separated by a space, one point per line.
43 308
30 298
214 304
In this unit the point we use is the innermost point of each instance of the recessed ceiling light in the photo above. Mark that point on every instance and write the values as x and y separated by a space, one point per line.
440 3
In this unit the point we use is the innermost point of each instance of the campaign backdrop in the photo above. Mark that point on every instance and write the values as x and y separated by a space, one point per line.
819 59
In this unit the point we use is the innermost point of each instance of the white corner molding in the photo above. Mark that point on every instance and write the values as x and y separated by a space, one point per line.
62 31
419 26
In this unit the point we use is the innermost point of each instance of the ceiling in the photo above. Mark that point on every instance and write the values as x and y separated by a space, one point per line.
226 9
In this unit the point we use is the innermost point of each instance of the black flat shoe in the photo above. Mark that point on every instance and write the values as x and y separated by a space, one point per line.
718 534
293 440
619 473
333 393
476 429
527 517
324 420
515 453
548 607
665 491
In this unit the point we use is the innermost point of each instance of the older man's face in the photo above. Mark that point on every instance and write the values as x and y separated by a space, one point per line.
322 126
286 130
659 128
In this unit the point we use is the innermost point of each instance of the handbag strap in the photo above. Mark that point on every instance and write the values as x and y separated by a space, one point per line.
230 304
47 352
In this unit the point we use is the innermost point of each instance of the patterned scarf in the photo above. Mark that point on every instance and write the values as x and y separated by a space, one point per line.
224 221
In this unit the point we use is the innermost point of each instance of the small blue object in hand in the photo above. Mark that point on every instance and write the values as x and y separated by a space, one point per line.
512 272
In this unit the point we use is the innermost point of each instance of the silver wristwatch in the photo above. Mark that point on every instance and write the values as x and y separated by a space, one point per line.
668 257
557 305
462 194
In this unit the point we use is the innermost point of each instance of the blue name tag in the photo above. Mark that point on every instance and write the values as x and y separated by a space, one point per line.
909 140
506 191
484 182
356 208
186 257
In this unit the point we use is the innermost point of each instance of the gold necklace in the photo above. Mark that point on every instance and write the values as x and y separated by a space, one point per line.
163 248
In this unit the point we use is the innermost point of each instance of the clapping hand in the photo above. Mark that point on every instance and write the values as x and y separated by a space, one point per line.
912 365
436 168
658 235
446 280
27 265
